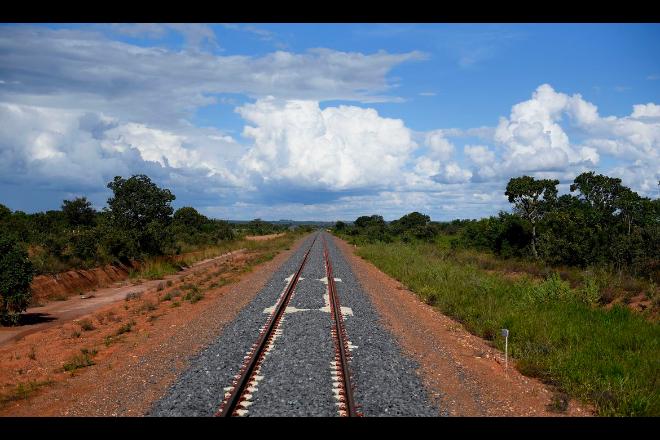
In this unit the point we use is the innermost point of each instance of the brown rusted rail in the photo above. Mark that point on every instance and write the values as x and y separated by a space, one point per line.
232 400
342 352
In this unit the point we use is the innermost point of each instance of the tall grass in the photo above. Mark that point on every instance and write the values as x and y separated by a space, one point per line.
158 267
610 358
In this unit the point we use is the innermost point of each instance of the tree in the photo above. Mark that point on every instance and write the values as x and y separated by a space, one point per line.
365 220
142 212
79 212
190 218
4 212
138 201
16 272
532 199
600 191
340 226
413 220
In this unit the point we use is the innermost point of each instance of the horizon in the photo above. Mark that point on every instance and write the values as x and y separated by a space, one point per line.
313 121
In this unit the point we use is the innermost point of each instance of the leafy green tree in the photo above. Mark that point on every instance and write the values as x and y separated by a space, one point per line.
143 212
599 191
190 218
4 212
138 201
16 272
340 226
532 199
366 220
409 222
259 227
79 212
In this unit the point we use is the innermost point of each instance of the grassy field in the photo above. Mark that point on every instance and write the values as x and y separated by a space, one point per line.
610 358
157 268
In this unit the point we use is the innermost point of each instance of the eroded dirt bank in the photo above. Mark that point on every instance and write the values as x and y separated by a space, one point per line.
136 346
65 284
460 369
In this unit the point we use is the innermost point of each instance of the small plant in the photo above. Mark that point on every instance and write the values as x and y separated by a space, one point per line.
195 297
152 318
160 287
33 353
147 306
188 286
167 297
133 295
590 291
175 304
86 325
126 328
82 360
169 283
559 403
23 391
75 334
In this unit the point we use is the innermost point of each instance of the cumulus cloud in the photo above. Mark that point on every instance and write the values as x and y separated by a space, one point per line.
439 147
66 149
454 173
649 110
337 148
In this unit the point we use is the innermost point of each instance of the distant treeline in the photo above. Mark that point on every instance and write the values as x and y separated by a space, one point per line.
138 222
602 224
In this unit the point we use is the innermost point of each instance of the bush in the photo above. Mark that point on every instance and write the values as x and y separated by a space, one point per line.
552 289
16 272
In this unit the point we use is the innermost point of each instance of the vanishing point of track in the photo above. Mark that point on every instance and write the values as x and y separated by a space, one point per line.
237 395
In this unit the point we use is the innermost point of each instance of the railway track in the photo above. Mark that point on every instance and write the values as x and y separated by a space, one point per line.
238 394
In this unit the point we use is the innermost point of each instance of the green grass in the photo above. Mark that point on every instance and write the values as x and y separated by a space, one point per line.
23 391
82 360
155 269
610 358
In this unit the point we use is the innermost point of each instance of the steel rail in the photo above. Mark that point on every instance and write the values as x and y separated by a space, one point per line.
341 341
232 402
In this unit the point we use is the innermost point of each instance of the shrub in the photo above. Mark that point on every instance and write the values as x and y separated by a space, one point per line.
86 325
126 328
82 360
133 295
552 289
16 272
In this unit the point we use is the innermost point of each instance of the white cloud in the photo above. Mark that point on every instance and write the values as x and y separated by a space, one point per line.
453 173
153 85
62 148
337 148
427 167
479 154
535 141
649 110
439 147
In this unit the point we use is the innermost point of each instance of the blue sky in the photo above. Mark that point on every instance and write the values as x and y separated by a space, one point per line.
327 122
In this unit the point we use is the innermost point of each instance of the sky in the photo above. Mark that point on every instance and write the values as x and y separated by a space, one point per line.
325 121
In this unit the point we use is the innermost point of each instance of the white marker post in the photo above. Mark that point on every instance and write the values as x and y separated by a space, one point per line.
505 333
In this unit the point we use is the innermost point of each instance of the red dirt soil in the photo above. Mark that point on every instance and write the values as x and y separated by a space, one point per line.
45 287
137 346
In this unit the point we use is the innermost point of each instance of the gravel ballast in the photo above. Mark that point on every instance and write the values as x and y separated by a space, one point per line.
296 373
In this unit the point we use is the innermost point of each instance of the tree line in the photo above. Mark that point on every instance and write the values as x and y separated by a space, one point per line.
138 222
600 223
